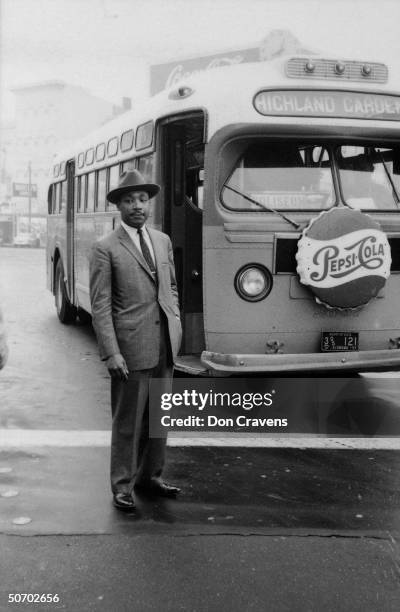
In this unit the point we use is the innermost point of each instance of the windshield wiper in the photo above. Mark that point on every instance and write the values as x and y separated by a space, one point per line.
387 171
273 210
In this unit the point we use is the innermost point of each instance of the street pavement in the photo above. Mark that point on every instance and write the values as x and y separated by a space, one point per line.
279 524
254 529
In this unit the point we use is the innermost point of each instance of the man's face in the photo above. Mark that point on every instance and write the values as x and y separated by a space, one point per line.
134 207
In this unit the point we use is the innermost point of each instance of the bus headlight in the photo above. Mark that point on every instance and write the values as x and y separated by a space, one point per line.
253 282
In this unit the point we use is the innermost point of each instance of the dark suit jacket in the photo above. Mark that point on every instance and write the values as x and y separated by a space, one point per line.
126 300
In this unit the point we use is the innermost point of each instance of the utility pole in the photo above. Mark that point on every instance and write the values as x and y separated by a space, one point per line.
29 197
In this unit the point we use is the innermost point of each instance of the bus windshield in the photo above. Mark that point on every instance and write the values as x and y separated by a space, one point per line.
295 176
369 177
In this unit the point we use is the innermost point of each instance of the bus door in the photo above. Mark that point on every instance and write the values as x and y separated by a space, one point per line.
183 166
70 230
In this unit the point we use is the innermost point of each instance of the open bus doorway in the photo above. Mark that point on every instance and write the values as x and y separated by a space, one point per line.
182 170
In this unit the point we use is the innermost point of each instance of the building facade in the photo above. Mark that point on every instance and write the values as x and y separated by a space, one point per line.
48 116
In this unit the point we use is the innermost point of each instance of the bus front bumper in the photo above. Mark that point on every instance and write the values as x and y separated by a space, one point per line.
230 364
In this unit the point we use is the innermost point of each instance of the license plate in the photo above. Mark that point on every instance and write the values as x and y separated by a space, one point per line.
339 341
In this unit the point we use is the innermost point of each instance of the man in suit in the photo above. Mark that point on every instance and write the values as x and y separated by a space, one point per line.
135 311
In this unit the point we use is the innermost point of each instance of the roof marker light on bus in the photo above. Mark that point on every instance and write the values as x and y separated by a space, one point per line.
180 93
309 67
366 70
340 68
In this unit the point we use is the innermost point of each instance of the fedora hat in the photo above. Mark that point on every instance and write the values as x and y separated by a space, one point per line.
131 181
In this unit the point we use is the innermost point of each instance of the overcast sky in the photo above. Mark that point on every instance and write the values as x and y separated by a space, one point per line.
106 46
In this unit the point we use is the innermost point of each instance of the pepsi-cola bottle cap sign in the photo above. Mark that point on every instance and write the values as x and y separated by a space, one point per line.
344 257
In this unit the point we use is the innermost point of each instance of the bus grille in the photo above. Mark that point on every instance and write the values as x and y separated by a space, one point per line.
325 69
286 249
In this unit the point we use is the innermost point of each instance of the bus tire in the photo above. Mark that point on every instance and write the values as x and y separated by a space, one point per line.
66 312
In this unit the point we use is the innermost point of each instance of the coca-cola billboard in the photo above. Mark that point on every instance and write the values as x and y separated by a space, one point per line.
275 44
163 76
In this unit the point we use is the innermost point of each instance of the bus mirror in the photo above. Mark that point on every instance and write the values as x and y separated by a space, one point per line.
201 176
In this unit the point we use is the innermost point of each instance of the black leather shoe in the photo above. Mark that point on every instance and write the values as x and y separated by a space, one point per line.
124 501
157 488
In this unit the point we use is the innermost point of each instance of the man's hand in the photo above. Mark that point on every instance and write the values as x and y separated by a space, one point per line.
117 367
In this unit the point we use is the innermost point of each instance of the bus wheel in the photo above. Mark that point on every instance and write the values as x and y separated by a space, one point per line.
66 312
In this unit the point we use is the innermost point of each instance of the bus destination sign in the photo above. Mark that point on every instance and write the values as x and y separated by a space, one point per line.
339 104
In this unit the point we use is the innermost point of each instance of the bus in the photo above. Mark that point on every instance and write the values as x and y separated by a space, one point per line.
280 190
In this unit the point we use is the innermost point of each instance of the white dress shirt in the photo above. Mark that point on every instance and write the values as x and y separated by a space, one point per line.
134 236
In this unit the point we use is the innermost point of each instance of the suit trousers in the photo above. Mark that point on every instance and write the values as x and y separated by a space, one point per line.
135 457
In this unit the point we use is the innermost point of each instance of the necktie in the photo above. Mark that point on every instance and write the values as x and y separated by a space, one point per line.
146 251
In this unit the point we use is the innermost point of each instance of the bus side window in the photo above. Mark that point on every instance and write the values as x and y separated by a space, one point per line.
56 198
145 166
77 191
63 196
112 182
59 198
82 199
90 192
101 190
50 200
129 165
